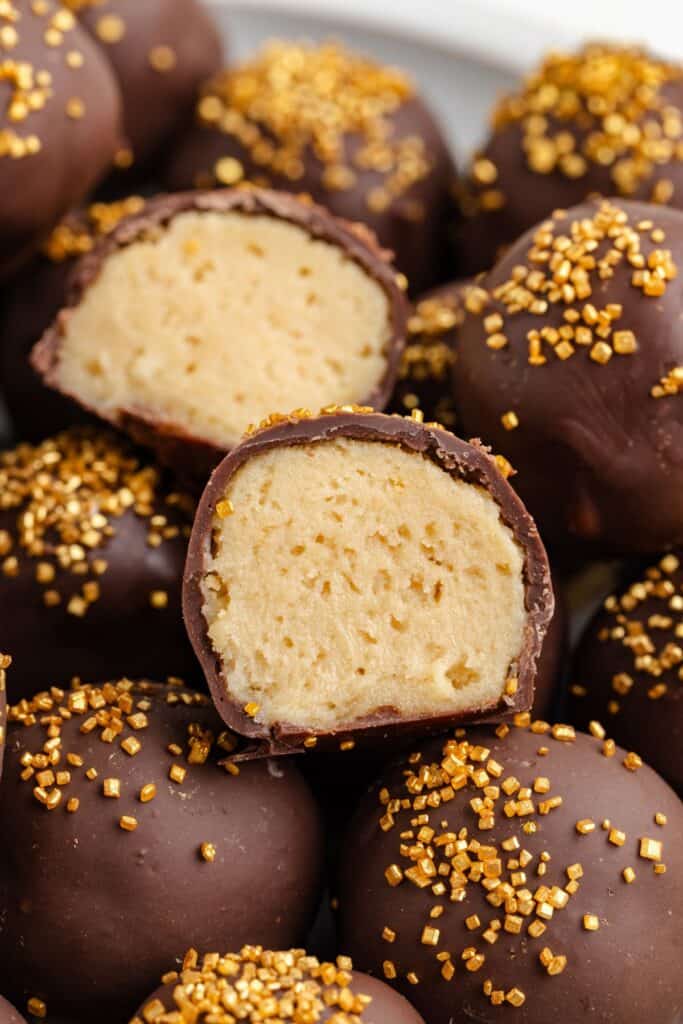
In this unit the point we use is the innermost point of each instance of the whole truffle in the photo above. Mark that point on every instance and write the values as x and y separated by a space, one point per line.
92 545
256 984
8 1015
424 375
207 311
127 838
161 51
353 134
607 119
342 575
628 670
60 122
570 364
37 294
521 868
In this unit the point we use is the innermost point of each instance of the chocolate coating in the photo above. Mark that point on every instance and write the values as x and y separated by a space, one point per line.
574 128
553 658
385 1006
628 670
8 1015
352 134
576 965
161 51
98 579
77 887
60 121
195 456
36 295
470 462
598 446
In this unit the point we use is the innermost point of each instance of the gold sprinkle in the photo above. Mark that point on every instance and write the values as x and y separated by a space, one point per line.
110 28
147 793
162 58
208 852
128 823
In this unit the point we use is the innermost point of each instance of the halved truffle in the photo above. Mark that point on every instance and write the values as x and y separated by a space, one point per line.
208 310
256 985
345 574
39 290
352 133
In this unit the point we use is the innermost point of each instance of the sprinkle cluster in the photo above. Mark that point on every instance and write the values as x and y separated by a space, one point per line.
605 107
59 504
256 985
31 87
296 100
646 622
566 263
77 235
118 713
429 353
446 864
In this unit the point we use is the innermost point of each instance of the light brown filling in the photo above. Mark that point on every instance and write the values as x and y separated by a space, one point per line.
353 576
221 319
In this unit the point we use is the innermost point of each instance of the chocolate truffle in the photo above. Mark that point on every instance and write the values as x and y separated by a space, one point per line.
208 310
628 672
8 1015
60 121
524 867
607 119
37 294
349 132
128 837
92 545
570 363
255 985
342 576
161 51
424 375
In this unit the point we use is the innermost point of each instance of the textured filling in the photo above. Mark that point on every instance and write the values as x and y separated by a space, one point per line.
350 576
219 319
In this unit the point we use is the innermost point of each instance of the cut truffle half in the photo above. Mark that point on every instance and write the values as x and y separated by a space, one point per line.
206 311
357 574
